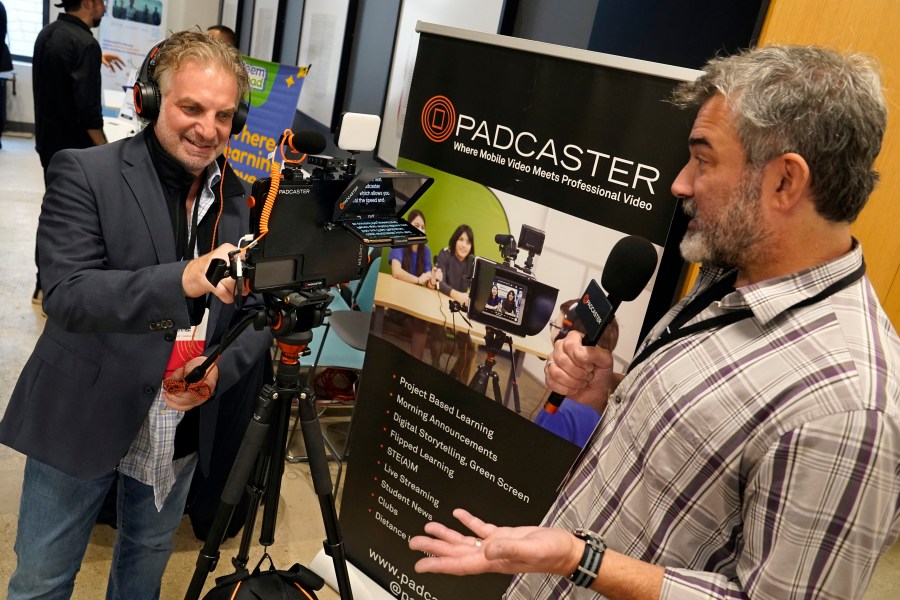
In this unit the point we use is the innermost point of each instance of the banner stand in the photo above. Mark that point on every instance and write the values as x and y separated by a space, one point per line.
363 587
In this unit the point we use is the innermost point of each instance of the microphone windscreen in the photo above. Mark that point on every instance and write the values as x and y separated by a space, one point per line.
629 267
309 142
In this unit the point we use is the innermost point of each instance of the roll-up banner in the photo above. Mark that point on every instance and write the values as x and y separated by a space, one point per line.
548 156
274 91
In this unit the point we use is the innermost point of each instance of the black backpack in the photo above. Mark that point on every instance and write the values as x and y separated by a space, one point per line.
297 583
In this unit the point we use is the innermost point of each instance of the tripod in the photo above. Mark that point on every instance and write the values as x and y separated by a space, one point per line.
259 464
493 343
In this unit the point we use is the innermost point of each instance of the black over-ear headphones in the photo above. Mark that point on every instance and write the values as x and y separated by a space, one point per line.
148 98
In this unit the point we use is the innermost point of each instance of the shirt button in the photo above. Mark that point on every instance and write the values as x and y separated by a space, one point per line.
149 389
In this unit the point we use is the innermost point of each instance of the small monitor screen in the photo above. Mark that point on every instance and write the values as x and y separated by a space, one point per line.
506 300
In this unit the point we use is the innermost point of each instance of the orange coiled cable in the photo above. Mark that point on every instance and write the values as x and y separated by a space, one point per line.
275 183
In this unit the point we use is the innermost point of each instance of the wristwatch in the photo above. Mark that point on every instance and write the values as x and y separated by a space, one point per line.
587 569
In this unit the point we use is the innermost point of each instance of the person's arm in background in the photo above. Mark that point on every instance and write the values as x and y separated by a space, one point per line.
452 282
88 110
397 270
431 281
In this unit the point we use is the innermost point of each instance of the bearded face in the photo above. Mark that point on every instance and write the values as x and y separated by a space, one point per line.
725 225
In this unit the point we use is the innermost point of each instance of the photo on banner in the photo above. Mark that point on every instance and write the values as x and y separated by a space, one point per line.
565 176
129 30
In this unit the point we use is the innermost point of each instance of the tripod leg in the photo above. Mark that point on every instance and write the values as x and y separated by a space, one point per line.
479 379
256 488
321 476
514 383
495 382
253 441
282 412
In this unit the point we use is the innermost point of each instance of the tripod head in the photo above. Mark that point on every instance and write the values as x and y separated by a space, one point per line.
494 339
292 315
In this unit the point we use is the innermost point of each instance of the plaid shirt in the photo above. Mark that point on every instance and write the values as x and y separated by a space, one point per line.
149 459
758 460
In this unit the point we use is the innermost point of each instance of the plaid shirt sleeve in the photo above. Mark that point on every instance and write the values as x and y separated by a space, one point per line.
809 488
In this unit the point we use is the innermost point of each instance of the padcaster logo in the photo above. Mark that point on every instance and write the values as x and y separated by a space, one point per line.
438 118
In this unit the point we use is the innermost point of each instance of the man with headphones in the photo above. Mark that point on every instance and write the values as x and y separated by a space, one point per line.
126 235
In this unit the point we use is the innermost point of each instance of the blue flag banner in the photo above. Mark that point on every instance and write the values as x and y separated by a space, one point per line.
274 92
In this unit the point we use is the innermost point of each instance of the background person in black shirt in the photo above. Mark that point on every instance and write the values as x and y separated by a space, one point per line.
66 79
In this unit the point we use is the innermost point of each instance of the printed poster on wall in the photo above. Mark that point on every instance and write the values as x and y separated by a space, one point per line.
129 29
563 152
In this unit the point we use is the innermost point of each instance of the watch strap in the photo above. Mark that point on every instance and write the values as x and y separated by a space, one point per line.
587 569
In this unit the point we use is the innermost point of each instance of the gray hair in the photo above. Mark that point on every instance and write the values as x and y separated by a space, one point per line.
825 106
196 45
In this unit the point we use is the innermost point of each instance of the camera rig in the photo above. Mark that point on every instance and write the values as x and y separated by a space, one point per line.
507 299
309 232
522 305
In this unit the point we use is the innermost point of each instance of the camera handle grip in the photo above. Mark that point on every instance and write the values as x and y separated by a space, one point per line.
217 270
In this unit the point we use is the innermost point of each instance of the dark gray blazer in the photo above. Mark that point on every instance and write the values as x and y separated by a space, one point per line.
113 298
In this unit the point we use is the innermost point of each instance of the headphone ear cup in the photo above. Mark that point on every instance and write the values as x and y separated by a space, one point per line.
147 100
240 118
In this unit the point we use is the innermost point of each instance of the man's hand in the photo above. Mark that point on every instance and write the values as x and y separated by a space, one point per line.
112 61
582 373
185 400
496 549
195 283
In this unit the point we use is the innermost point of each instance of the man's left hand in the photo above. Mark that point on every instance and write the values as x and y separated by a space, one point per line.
185 400
495 549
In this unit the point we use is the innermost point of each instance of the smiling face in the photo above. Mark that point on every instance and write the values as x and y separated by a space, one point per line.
195 117
721 192
463 246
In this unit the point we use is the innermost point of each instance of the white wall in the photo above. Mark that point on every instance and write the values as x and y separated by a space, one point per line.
181 15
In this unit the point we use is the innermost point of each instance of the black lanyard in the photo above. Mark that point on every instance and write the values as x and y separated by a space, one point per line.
717 291
187 253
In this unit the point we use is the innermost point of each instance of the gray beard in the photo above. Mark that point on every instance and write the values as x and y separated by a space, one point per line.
727 241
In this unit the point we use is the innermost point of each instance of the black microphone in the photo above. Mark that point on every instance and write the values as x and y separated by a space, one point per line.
306 142
627 271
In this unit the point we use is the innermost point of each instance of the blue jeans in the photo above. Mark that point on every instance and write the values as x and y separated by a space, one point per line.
56 516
